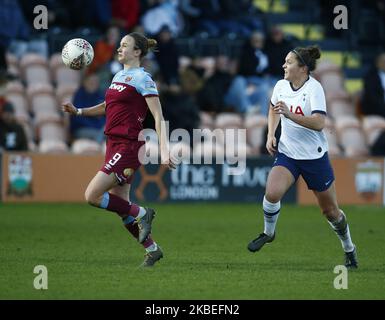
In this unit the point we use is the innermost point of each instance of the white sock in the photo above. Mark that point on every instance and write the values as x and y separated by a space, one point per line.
141 213
341 228
270 213
152 248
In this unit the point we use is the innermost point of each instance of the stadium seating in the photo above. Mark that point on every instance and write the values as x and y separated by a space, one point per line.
34 69
43 103
331 136
85 146
52 131
351 136
255 125
52 137
228 120
13 65
206 120
354 85
52 146
340 106
65 92
373 126
62 75
15 94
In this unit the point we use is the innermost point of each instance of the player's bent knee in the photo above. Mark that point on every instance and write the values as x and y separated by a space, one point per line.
272 197
331 212
91 198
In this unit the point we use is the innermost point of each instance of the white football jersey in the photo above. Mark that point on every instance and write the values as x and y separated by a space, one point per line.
298 142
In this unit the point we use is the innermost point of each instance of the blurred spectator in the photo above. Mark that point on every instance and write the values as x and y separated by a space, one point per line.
378 147
243 14
166 13
218 17
253 61
88 95
12 27
277 48
12 135
125 13
192 78
373 99
104 50
181 108
214 95
84 13
105 62
253 80
167 56
177 104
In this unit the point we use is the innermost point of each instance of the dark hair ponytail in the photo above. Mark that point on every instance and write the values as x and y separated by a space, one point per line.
143 43
308 56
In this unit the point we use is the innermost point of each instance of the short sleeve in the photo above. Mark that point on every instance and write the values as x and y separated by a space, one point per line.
147 87
317 100
274 97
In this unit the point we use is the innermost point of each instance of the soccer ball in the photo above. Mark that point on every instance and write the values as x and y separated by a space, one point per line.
77 54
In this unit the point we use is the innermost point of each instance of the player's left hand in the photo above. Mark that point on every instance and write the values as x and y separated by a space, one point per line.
281 108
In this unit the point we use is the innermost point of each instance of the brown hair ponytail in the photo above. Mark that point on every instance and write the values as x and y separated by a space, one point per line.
307 56
143 43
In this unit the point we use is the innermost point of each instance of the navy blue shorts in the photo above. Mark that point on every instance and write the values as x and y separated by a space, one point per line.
317 173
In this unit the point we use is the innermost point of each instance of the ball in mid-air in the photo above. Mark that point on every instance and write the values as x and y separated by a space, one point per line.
77 54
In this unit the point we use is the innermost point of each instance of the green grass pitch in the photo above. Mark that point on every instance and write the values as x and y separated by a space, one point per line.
90 255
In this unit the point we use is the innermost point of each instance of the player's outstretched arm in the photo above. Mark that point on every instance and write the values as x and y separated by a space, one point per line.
98 110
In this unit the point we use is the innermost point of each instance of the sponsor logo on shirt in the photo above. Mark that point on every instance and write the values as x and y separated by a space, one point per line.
118 87
297 110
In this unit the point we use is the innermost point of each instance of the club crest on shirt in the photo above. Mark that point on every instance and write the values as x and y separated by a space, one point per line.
128 79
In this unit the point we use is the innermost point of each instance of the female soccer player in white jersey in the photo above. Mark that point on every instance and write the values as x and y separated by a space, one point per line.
298 101
130 95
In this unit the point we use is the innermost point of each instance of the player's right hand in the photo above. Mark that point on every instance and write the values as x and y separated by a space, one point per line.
69 108
271 145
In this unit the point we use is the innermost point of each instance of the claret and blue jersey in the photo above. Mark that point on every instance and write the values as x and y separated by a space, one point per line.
126 106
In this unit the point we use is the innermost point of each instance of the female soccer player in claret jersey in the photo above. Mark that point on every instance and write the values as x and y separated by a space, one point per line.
298 101
131 93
